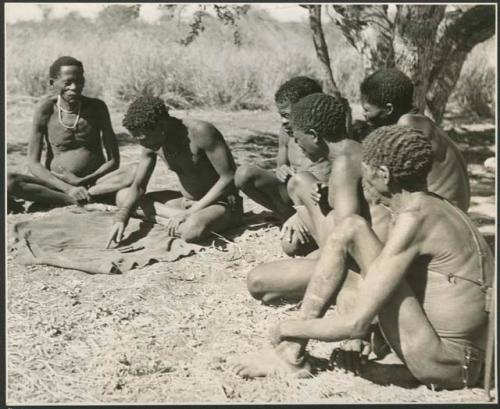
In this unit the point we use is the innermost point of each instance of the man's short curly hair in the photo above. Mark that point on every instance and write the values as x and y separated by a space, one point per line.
389 86
144 113
406 152
323 113
63 61
296 88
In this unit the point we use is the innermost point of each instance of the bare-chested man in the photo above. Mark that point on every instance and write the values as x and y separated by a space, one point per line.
275 280
386 98
269 188
196 151
427 284
75 129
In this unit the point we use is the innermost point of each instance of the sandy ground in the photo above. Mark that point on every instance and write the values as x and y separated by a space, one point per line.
170 332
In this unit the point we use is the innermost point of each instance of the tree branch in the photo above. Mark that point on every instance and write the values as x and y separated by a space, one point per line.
321 47
369 30
460 31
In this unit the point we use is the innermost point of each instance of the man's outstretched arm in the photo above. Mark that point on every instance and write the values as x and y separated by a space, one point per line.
129 197
384 275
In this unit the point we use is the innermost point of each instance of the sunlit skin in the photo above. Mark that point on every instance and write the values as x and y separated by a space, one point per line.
448 177
76 169
425 317
208 200
290 278
269 188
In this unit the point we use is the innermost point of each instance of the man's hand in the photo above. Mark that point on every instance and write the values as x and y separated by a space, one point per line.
284 172
79 193
352 355
318 192
116 234
68 177
174 223
295 225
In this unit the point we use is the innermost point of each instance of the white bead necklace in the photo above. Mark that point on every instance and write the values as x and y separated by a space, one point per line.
61 110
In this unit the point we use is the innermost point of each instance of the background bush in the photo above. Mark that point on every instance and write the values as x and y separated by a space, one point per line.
125 57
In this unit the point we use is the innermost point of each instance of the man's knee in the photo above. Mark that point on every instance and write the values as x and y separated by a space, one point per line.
256 283
299 184
244 176
193 230
296 248
14 183
11 182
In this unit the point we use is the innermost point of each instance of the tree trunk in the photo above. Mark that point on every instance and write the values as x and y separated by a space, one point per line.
321 48
415 29
459 32
369 30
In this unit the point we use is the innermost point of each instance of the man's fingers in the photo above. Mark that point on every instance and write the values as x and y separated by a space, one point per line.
110 239
300 236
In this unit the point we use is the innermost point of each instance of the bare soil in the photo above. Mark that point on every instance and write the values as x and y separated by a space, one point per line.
170 332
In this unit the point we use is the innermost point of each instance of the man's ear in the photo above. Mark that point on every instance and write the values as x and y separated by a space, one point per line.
51 81
314 134
389 108
385 173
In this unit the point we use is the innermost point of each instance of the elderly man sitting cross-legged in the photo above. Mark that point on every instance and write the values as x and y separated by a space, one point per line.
428 284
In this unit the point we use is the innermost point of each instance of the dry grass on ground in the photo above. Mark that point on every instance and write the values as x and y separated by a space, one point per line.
169 332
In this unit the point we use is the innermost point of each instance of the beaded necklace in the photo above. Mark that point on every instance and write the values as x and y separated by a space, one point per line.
61 110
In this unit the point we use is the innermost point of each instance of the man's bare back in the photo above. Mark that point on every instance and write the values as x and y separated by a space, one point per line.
448 177
427 288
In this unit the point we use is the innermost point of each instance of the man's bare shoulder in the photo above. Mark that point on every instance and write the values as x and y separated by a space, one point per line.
46 105
94 102
43 111
202 133
418 121
346 148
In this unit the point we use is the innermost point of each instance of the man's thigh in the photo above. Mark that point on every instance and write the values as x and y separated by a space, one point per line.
32 180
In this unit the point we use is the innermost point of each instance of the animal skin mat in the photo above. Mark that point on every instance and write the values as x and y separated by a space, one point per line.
75 238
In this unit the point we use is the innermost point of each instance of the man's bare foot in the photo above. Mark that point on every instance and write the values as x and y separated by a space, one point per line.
268 362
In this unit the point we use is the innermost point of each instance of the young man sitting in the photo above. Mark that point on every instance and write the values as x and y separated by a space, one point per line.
75 129
269 188
427 288
387 98
197 153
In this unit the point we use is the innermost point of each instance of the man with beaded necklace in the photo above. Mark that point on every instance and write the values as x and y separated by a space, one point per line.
75 129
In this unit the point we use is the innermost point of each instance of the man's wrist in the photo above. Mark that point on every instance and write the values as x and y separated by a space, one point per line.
122 216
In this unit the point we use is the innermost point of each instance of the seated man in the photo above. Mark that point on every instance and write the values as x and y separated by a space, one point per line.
197 153
319 128
386 98
427 288
75 129
269 188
